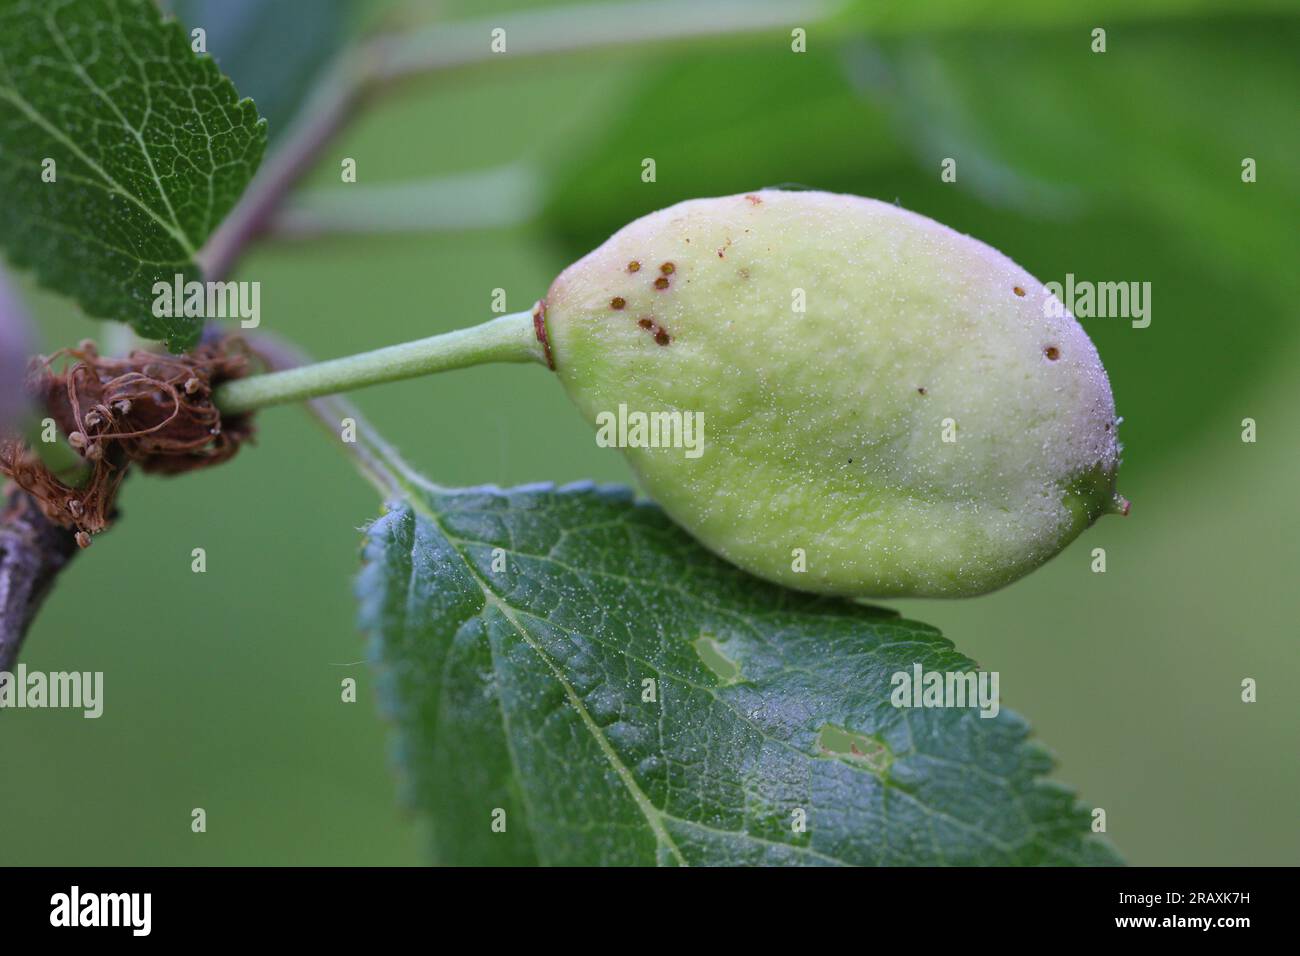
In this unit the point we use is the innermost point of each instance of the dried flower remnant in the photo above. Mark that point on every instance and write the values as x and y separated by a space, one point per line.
147 409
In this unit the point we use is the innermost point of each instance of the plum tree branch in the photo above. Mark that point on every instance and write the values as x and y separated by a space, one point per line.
33 550
384 60
32 553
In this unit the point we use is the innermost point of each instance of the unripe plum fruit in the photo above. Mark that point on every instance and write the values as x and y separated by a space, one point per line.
888 408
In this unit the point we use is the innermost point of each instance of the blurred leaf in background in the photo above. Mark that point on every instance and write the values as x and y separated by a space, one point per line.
272 49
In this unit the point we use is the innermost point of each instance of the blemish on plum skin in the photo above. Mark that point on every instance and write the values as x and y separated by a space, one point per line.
754 200
667 268
661 282
634 266
539 329
617 302
660 334
1019 291
1052 353
920 390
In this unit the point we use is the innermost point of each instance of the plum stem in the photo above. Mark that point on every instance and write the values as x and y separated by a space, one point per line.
508 338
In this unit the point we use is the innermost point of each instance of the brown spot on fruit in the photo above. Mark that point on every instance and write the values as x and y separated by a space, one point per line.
921 390
1052 353
634 266
661 282
1019 291
754 200
667 268
617 302
659 333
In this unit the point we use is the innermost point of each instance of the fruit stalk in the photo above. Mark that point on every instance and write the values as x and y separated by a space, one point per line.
508 338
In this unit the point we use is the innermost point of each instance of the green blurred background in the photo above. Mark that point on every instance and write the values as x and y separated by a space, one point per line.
222 689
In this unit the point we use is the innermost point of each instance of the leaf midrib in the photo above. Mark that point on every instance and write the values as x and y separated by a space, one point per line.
653 816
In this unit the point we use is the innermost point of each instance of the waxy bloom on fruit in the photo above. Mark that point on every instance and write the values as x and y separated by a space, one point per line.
888 408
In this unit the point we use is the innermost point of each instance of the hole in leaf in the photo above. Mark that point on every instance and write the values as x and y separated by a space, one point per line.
723 667
860 750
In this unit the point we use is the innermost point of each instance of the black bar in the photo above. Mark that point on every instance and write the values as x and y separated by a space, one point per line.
334 905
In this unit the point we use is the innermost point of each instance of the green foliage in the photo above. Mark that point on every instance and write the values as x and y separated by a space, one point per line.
152 147
517 679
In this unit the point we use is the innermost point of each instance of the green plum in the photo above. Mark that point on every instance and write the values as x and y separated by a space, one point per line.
888 408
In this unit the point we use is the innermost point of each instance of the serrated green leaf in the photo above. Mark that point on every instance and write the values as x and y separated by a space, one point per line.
152 147
514 633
